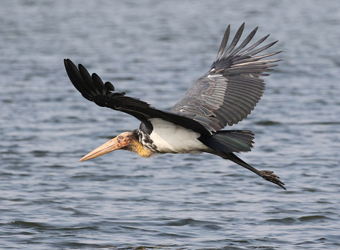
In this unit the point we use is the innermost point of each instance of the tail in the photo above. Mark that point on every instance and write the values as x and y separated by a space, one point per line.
229 141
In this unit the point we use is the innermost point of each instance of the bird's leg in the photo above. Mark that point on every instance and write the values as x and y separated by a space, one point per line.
265 174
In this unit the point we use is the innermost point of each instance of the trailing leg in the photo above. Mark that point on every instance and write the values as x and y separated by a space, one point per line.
265 174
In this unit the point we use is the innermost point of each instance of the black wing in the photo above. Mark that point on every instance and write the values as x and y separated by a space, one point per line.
93 89
231 88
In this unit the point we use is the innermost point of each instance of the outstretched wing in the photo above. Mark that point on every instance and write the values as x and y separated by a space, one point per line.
229 91
93 89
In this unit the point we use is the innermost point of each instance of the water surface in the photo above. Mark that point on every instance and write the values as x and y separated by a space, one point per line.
155 50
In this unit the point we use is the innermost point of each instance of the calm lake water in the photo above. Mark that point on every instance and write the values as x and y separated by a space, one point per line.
155 50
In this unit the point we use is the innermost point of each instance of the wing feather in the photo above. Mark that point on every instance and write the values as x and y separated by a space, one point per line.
235 40
230 90
223 43
93 89
244 43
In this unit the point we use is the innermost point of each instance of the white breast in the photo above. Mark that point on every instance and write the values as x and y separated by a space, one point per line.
171 138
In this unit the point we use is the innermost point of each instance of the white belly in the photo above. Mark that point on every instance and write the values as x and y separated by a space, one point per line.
171 138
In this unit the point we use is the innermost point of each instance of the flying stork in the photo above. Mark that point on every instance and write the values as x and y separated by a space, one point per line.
223 96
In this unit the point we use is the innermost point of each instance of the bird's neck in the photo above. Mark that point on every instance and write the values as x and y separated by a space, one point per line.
137 147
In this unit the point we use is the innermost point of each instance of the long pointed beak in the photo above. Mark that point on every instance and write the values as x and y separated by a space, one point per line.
103 149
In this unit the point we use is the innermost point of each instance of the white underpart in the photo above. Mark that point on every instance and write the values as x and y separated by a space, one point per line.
171 138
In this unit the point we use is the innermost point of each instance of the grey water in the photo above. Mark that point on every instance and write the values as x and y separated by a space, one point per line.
154 50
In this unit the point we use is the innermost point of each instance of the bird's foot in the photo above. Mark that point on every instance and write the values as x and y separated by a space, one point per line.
270 176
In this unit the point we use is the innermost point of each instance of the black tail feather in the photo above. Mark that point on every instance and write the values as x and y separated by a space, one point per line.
229 141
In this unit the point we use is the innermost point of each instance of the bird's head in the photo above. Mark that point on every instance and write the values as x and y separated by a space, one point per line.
127 141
